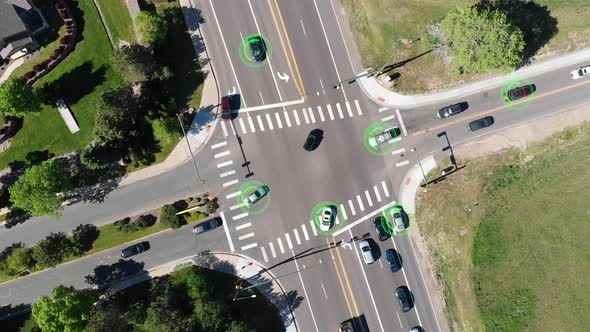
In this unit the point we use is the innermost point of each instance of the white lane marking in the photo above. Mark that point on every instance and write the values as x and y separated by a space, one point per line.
326 295
233 129
401 122
398 151
246 110
305 291
311 116
362 219
321 114
315 233
240 216
387 118
322 85
349 109
224 129
272 249
296 117
260 123
339 111
281 248
358 107
251 123
382 109
330 113
408 285
269 121
226 229
279 120
360 201
381 264
245 236
230 183
305 33
242 125
361 264
297 236
260 93
218 145
343 212
385 188
227 53
305 116
377 193
228 173
288 237
264 254
242 226
286 115
337 220
368 198
351 207
232 195
237 206
305 232
225 163
402 163
342 36
399 320
251 245
329 47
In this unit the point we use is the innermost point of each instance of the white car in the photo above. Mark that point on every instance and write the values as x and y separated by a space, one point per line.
581 72
326 218
256 195
398 221
367 252
386 135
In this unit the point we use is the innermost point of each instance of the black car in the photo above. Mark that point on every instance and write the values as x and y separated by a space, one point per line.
258 48
206 226
135 249
379 221
405 298
481 123
313 140
445 112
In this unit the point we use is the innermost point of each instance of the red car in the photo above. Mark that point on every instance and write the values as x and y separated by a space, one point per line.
520 92
226 108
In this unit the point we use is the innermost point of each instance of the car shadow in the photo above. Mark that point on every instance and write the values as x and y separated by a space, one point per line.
235 105
375 249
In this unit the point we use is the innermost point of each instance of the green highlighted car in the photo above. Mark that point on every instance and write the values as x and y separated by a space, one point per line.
256 195
396 220
257 48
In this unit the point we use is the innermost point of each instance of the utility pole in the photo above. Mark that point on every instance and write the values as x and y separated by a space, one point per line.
448 147
191 152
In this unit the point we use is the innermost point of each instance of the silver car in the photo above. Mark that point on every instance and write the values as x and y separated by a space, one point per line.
367 252
256 195
398 221
386 135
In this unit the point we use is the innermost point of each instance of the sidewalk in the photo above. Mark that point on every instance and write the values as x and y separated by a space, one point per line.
382 96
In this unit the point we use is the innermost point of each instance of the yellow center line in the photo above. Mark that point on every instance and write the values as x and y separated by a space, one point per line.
297 79
340 280
478 115
358 313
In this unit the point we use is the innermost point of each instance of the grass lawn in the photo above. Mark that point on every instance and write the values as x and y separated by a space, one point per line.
383 29
518 260
118 20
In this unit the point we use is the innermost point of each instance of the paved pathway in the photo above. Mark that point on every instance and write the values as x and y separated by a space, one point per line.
15 64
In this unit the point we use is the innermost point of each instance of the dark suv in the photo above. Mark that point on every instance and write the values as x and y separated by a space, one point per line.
379 221
405 298
481 123
135 249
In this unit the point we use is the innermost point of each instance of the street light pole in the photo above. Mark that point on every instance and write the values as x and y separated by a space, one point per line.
191 152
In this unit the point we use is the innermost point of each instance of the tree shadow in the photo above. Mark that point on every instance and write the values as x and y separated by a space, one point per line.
93 194
534 20
8 311
75 84
106 275
38 156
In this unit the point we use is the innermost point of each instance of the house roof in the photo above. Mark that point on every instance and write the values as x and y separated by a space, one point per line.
10 22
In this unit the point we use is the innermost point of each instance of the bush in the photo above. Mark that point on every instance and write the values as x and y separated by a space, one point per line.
197 200
195 216
166 131
52 250
83 237
20 259
212 206
169 218
120 224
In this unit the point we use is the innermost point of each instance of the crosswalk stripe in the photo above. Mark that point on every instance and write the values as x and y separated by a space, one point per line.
377 193
232 195
305 116
286 115
270 126
281 248
260 123
402 163
337 220
348 109
218 145
370 201
339 111
296 117
228 173
251 245
224 129
398 151
297 236
279 120
233 130
288 237
225 163
330 112
343 211
242 125
240 216
242 226
385 188
305 232
311 116
360 201
245 236
230 183
315 233
358 107
383 109
264 254
272 249
351 207
221 154
321 114
237 206
387 118
251 123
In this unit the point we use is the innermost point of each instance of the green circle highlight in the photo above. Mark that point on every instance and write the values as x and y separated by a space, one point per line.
514 83
248 188
244 51
381 150
316 213
387 223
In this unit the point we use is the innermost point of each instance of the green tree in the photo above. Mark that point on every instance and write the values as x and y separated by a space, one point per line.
40 190
165 312
20 259
68 311
134 63
151 27
52 250
107 319
18 98
166 130
116 112
83 237
213 316
481 40
196 282
169 218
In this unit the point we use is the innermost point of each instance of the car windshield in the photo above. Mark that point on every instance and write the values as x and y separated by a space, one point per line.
365 249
